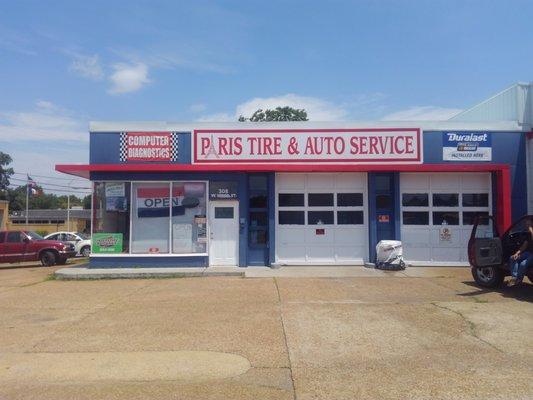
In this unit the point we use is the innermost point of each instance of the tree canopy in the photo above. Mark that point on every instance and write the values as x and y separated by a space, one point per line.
44 201
277 114
5 172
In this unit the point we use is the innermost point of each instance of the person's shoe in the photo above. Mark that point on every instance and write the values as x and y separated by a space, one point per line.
513 281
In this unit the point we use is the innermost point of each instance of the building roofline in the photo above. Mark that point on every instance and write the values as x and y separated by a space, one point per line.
164 126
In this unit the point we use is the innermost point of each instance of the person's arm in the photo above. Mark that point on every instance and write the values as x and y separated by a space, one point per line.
521 249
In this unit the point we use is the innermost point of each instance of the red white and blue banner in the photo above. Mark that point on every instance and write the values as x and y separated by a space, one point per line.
154 202
317 146
466 146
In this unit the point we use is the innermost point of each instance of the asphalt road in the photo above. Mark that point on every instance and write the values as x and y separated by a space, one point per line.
429 335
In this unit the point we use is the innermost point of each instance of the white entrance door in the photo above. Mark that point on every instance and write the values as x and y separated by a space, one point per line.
224 233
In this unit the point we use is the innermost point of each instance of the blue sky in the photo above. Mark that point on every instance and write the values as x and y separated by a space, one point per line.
64 63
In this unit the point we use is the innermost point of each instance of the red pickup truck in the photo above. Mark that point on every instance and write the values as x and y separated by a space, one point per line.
18 246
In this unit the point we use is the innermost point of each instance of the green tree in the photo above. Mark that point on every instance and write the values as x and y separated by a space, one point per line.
277 114
5 173
87 202
43 201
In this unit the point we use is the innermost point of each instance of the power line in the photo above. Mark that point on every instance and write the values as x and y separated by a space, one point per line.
51 177
56 190
51 184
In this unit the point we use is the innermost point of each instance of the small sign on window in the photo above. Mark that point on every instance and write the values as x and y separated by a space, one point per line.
384 218
320 231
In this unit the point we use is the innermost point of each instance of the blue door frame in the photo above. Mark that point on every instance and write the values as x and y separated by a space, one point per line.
383 209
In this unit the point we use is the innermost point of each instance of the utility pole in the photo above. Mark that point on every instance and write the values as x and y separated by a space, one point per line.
27 202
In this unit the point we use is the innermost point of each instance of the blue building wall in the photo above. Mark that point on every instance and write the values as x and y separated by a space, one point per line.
507 148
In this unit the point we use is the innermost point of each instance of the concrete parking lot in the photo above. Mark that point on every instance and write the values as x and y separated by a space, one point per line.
427 334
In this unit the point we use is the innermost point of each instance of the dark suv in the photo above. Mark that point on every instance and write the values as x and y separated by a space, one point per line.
489 252
18 246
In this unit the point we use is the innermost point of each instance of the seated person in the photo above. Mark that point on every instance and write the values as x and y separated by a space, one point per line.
523 258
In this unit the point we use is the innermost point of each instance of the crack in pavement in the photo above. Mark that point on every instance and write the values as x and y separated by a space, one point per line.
471 326
285 338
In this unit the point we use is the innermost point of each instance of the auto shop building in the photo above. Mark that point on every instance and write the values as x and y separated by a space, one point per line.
298 193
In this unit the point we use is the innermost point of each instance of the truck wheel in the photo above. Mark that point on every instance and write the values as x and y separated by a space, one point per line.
48 258
86 251
489 277
530 276
62 261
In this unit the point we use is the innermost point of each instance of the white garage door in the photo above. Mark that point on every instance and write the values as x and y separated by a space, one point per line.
437 214
321 218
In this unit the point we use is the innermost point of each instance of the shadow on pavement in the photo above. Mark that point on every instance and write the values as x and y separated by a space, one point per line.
523 292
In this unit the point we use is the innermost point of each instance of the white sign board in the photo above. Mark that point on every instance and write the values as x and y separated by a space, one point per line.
466 146
316 146
115 189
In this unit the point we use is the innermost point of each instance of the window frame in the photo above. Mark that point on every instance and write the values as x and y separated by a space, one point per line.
169 254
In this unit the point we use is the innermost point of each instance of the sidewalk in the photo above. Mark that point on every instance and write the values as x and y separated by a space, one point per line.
83 272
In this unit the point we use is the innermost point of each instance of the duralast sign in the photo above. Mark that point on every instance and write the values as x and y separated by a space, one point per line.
466 146
392 145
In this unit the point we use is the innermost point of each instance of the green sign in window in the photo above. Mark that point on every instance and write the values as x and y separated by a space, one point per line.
107 243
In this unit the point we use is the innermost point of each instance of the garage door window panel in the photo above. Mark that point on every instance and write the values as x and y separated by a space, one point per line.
291 200
475 199
350 218
470 216
291 217
415 217
415 200
445 200
320 218
445 218
349 199
320 199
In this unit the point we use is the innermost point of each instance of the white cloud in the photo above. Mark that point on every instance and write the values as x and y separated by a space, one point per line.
46 122
217 117
198 107
422 113
317 109
87 67
128 78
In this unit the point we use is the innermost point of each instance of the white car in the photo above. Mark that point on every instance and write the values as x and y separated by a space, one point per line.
81 242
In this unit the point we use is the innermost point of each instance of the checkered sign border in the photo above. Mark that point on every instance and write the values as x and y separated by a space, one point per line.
174 149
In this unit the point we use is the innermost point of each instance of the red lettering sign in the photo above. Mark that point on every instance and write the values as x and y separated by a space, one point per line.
383 145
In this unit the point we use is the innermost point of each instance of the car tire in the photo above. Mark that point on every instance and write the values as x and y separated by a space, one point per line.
85 251
530 277
62 261
48 258
489 277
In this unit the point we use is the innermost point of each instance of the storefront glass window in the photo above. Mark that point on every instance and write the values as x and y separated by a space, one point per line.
111 217
150 218
189 221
